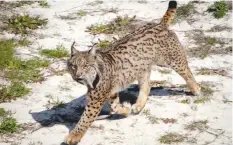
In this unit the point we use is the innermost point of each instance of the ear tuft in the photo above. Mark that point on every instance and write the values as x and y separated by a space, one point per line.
92 51
73 49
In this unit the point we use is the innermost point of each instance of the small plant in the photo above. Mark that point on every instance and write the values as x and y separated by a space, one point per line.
103 44
98 29
201 100
185 101
219 9
14 91
165 71
24 75
25 71
59 52
81 13
197 125
118 24
171 138
54 104
44 4
3 113
8 125
23 24
206 90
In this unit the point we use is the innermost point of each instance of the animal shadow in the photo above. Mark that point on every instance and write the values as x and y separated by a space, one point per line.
71 112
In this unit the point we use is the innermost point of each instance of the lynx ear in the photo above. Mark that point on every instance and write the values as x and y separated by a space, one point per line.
92 51
73 50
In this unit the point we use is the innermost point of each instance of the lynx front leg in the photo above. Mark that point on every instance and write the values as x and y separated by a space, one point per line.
144 85
117 108
93 108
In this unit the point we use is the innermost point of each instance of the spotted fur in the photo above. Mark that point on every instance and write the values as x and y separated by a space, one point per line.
106 71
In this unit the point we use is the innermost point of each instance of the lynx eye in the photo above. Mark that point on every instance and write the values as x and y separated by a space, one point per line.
73 67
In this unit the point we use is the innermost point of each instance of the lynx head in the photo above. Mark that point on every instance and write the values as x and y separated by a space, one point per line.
83 67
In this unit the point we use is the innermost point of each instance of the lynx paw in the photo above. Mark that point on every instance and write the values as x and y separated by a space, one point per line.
137 108
72 139
127 107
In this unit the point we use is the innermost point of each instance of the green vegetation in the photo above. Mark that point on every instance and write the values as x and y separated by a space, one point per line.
219 9
23 24
201 100
44 4
103 44
7 123
81 13
15 90
59 52
17 71
7 52
171 138
117 24
3 113
185 101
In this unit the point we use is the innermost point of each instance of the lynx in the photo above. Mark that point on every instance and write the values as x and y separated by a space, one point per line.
106 71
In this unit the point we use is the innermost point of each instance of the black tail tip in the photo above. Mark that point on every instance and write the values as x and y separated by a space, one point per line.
172 4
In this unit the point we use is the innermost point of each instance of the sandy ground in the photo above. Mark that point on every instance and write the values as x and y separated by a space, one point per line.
44 126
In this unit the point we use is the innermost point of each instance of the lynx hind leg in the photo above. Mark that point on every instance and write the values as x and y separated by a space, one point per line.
117 108
180 65
144 85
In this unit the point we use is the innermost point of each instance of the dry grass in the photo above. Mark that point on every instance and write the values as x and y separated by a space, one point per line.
197 125
208 71
171 138
207 45
184 12
118 24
